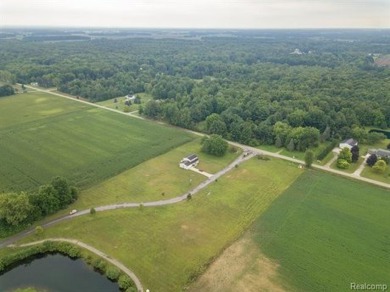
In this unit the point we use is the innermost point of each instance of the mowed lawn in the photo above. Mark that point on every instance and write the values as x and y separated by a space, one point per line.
326 232
42 136
156 179
168 246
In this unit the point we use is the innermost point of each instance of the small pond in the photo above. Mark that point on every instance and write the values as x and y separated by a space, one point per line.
56 273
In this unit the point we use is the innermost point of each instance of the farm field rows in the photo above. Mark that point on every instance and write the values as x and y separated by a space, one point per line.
43 136
168 246
327 227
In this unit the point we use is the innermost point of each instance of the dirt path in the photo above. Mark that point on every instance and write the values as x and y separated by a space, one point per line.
97 252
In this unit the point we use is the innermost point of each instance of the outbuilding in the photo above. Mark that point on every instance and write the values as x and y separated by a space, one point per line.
348 143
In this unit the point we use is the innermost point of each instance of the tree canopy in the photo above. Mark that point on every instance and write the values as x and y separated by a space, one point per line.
214 145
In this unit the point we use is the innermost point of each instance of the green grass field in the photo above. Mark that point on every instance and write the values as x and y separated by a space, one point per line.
326 232
156 179
43 136
167 246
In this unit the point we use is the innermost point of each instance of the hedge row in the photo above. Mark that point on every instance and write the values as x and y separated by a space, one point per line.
327 149
112 272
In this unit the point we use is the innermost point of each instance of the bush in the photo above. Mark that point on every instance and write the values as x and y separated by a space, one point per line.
38 230
112 273
124 282
99 264
92 211
342 164
380 166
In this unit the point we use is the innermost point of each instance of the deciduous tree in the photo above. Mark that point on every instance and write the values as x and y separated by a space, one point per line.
214 145
371 160
309 158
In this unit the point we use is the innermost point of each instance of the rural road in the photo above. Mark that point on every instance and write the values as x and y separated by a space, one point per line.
116 263
324 168
251 150
244 147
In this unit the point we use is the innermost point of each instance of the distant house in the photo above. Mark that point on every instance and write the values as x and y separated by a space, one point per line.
381 153
349 143
296 52
130 97
189 161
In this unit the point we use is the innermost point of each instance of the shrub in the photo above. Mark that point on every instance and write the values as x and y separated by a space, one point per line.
112 273
38 230
380 166
92 211
124 282
73 252
326 150
342 164
345 154
99 264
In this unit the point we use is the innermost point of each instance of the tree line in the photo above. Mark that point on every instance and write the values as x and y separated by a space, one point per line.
20 209
248 88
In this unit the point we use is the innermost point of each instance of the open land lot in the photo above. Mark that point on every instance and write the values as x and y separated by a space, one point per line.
156 179
43 136
167 246
120 104
326 227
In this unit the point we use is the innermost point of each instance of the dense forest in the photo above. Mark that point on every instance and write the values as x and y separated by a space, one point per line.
289 88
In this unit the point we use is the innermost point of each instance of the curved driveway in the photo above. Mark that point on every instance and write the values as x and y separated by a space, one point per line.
175 200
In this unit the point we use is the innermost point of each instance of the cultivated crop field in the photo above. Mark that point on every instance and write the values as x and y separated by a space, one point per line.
168 246
326 232
42 136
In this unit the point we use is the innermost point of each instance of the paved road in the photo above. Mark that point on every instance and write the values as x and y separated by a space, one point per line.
84 102
324 168
251 150
115 262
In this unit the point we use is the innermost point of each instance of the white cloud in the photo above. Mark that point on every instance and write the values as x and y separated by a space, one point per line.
200 13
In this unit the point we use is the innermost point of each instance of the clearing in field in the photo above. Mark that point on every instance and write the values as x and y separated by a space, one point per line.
167 247
43 136
326 232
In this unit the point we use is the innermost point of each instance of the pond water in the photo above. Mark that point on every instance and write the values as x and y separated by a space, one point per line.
56 273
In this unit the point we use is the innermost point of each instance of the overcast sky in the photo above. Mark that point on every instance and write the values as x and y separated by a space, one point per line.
197 13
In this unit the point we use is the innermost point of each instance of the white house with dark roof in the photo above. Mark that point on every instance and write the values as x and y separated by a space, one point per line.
348 143
189 161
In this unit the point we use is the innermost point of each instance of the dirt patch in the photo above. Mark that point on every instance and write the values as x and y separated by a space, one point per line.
241 267
383 61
